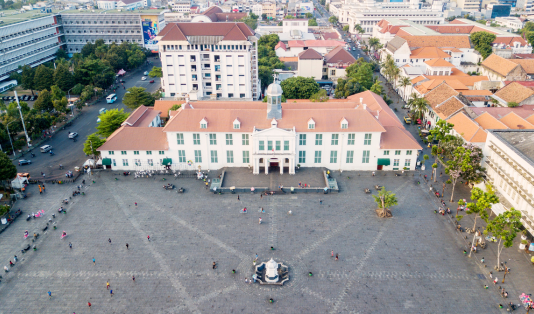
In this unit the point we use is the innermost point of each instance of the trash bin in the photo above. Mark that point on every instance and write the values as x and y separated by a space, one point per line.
292 190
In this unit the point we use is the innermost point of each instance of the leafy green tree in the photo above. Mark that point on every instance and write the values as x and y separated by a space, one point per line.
136 58
512 104
346 28
299 87
110 121
27 78
156 72
8 170
359 29
87 50
56 93
44 101
264 16
327 7
320 96
63 78
441 133
385 200
61 54
61 104
44 77
364 74
529 27
377 88
405 82
312 22
530 36
288 17
36 122
309 16
482 42
473 172
136 97
348 87
482 201
77 90
92 143
505 228
175 107
333 19
456 165
418 105
450 146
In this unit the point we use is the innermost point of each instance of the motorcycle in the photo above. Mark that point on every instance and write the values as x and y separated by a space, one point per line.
52 153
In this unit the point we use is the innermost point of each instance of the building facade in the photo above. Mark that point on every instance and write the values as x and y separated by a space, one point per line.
362 134
31 42
204 61
510 168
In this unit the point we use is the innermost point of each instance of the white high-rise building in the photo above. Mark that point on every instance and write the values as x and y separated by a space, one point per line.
368 13
209 60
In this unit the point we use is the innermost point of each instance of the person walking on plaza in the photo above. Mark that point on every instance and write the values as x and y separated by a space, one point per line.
94 262
238 197
337 257
127 246
110 293
107 284
109 240
133 278
261 196
135 204
148 237
320 201
44 189
40 189
49 295
70 245
89 305
332 253
214 265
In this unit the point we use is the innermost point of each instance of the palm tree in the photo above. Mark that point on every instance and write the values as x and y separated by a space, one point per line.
405 82
419 107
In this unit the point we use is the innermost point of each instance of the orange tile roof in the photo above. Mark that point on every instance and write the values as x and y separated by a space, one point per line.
452 29
467 128
458 72
427 86
530 119
418 79
440 94
165 105
448 107
526 64
439 62
488 122
428 53
514 92
499 64
475 92
310 54
510 40
140 138
455 50
513 121
465 80
397 138
441 41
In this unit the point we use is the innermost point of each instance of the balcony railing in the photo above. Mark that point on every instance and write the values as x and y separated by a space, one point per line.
193 69
518 188
514 165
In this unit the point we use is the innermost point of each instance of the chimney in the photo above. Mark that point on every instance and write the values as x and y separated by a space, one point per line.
364 106
377 114
361 100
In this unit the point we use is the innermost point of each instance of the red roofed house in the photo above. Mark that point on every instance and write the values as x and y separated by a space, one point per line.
294 47
206 60
360 133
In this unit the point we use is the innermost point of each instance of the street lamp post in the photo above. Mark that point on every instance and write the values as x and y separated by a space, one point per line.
13 148
72 108
22 119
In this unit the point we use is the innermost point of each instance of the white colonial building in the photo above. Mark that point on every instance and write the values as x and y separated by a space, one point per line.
362 133
209 61
510 168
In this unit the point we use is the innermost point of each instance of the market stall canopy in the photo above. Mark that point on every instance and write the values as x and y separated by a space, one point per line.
167 161
121 72
383 162
106 162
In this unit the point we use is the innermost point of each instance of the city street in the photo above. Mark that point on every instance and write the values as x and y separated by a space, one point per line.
70 153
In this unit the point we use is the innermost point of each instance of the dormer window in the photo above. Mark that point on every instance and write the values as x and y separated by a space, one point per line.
344 124
203 124
311 124
237 124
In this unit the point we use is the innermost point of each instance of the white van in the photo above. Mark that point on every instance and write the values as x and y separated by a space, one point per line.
46 148
102 110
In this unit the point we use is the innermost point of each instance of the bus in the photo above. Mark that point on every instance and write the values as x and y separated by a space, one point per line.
7 85
111 98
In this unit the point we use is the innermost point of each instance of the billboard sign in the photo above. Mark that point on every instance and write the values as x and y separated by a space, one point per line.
150 31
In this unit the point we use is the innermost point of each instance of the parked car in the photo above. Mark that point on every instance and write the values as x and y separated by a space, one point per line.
23 162
33 98
143 78
73 134
407 120
151 81
146 73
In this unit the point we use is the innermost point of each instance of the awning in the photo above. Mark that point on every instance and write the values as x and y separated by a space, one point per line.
167 161
383 162
106 162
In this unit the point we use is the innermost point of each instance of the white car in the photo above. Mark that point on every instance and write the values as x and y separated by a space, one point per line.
143 78
353 48
73 134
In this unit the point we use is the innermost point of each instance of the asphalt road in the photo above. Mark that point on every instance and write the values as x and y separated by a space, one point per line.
70 153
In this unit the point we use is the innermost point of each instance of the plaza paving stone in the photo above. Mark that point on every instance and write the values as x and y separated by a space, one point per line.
411 263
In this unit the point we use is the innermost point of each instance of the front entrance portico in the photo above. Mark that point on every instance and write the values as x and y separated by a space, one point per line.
267 161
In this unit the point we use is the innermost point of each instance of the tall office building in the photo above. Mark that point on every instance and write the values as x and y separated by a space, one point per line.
204 60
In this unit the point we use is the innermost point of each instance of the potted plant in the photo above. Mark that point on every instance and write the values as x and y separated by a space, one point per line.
523 245
298 166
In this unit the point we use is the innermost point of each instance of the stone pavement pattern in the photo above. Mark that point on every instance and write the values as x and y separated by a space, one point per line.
411 263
